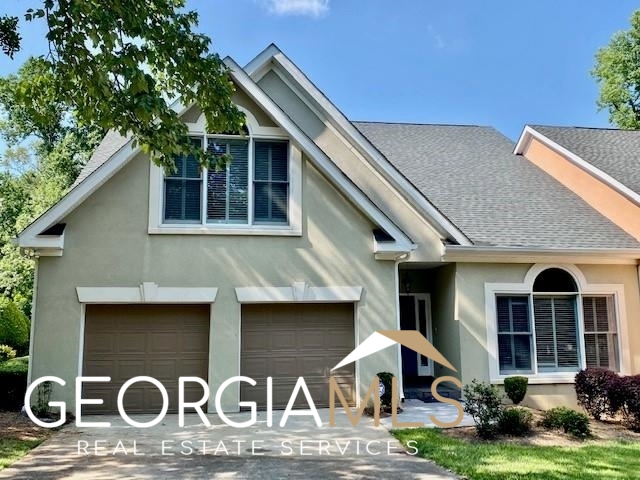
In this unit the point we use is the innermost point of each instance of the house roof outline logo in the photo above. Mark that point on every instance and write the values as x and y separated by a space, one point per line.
381 339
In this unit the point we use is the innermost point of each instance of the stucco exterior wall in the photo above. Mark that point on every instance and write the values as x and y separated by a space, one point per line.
107 244
359 171
474 357
613 205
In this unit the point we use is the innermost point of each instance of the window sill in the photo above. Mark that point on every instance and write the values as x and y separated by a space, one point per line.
540 379
258 230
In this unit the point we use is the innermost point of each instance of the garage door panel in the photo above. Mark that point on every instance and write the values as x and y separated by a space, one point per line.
296 340
161 341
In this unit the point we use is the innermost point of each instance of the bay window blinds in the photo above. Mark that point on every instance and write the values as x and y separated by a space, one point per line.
556 333
227 189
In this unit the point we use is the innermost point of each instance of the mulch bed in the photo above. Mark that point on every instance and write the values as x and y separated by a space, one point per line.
18 427
603 431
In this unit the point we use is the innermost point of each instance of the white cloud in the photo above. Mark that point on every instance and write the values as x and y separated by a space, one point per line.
311 8
438 40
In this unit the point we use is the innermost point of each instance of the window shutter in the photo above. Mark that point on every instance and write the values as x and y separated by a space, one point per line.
600 333
182 190
514 334
271 182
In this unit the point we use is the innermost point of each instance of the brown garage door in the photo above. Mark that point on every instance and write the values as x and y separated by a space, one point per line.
296 340
160 341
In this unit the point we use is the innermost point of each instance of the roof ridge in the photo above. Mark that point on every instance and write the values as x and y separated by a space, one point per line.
380 122
580 127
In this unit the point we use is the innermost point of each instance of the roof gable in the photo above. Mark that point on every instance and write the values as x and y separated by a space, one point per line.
116 151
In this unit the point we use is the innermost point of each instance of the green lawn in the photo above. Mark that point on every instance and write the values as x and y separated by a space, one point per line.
505 461
11 450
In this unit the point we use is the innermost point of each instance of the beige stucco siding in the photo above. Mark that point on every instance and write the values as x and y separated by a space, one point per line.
613 205
357 169
107 244
474 358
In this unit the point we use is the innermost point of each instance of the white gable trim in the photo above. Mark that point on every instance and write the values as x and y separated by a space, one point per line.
320 159
530 133
30 237
272 55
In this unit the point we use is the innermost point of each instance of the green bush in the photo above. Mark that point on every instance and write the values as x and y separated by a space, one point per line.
572 422
6 353
13 384
14 326
386 378
515 421
516 388
595 390
484 403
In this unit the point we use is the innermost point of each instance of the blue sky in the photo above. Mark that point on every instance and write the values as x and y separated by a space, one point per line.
501 62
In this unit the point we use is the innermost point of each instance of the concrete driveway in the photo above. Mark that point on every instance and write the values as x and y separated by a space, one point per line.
299 450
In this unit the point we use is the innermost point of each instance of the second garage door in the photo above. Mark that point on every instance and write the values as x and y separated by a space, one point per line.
160 341
287 341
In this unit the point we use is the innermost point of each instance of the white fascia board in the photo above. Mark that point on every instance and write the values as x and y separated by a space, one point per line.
258 66
318 157
480 254
78 194
29 237
529 133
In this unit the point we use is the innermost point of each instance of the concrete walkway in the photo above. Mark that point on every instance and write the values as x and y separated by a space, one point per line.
299 450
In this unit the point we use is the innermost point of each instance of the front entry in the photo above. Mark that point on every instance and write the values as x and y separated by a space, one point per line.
415 314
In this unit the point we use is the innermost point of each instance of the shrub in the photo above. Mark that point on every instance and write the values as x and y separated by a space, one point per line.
6 353
14 326
385 399
593 386
515 421
629 393
516 388
572 422
13 384
484 403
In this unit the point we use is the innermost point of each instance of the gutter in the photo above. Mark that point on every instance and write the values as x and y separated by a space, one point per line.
486 254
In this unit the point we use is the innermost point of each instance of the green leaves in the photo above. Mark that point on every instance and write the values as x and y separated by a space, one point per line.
617 72
138 53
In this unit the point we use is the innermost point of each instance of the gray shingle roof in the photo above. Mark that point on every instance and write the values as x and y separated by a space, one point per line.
495 197
110 144
615 152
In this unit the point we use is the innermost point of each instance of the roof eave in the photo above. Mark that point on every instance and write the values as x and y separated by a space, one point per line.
492 254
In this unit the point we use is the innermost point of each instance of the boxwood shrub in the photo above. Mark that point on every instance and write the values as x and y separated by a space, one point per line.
14 326
13 383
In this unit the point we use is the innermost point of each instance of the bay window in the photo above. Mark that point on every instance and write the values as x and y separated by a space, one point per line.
555 328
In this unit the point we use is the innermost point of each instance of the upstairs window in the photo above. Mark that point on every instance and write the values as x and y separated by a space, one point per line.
251 190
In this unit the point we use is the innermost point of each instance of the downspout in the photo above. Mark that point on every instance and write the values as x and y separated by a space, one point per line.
34 296
397 300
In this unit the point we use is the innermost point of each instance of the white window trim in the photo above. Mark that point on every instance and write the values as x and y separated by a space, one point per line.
256 131
491 290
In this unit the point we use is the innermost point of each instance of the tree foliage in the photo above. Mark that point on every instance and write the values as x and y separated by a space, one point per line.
117 63
617 72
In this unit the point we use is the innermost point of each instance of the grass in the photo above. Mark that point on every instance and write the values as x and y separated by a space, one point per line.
11 450
507 461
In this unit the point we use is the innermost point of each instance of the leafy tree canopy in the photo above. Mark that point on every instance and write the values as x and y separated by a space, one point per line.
117 62
617 72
